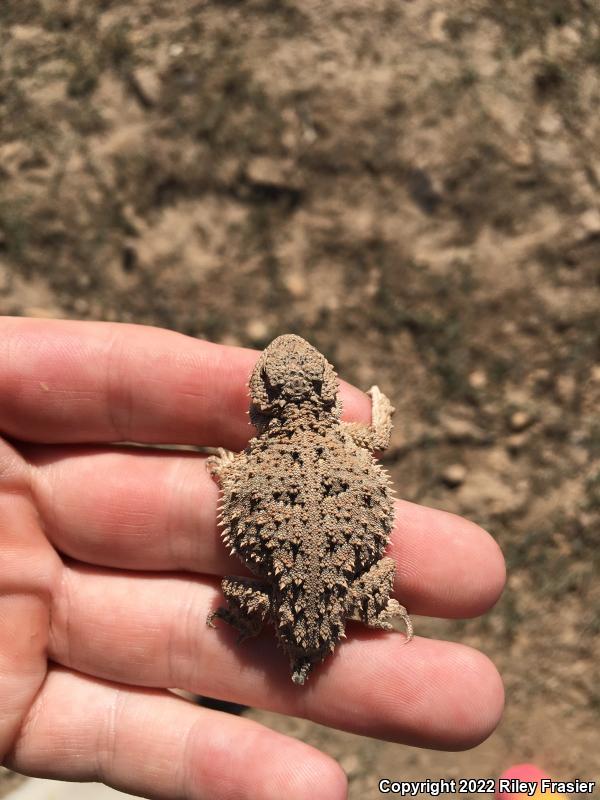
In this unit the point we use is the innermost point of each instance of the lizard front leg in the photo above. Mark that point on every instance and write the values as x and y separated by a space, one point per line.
375 436
220 464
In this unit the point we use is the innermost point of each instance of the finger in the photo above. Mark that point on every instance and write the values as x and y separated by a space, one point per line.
69 381
151 630
156 510
447 566
160 746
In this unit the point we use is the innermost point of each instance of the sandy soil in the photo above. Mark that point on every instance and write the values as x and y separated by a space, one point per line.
414 187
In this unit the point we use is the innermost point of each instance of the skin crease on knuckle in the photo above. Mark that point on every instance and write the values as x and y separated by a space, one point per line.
29 571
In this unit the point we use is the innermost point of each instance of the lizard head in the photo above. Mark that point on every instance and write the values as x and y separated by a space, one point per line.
292 371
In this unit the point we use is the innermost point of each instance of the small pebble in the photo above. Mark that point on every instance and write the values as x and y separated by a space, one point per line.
149 84
458 429
477 379
275 171
516 441
454 475
257 330
295 283
81 305
519 420
566 388
231 340
351 764
590 221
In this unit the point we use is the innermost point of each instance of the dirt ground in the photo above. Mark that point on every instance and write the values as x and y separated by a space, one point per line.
414 187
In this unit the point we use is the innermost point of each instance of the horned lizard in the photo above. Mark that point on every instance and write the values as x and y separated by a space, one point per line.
308 510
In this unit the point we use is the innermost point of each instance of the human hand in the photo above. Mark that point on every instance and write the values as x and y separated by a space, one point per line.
110 562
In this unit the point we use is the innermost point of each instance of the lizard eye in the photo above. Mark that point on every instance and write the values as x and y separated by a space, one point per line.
272 391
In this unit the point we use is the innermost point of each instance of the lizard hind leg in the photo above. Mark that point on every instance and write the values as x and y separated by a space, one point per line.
370 600
248 606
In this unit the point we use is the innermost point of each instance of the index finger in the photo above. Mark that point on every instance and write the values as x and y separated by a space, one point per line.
71 381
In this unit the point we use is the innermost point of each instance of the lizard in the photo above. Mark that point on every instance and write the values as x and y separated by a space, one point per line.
308 510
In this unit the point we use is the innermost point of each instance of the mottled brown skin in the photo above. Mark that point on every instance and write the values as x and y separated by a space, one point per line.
308 509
